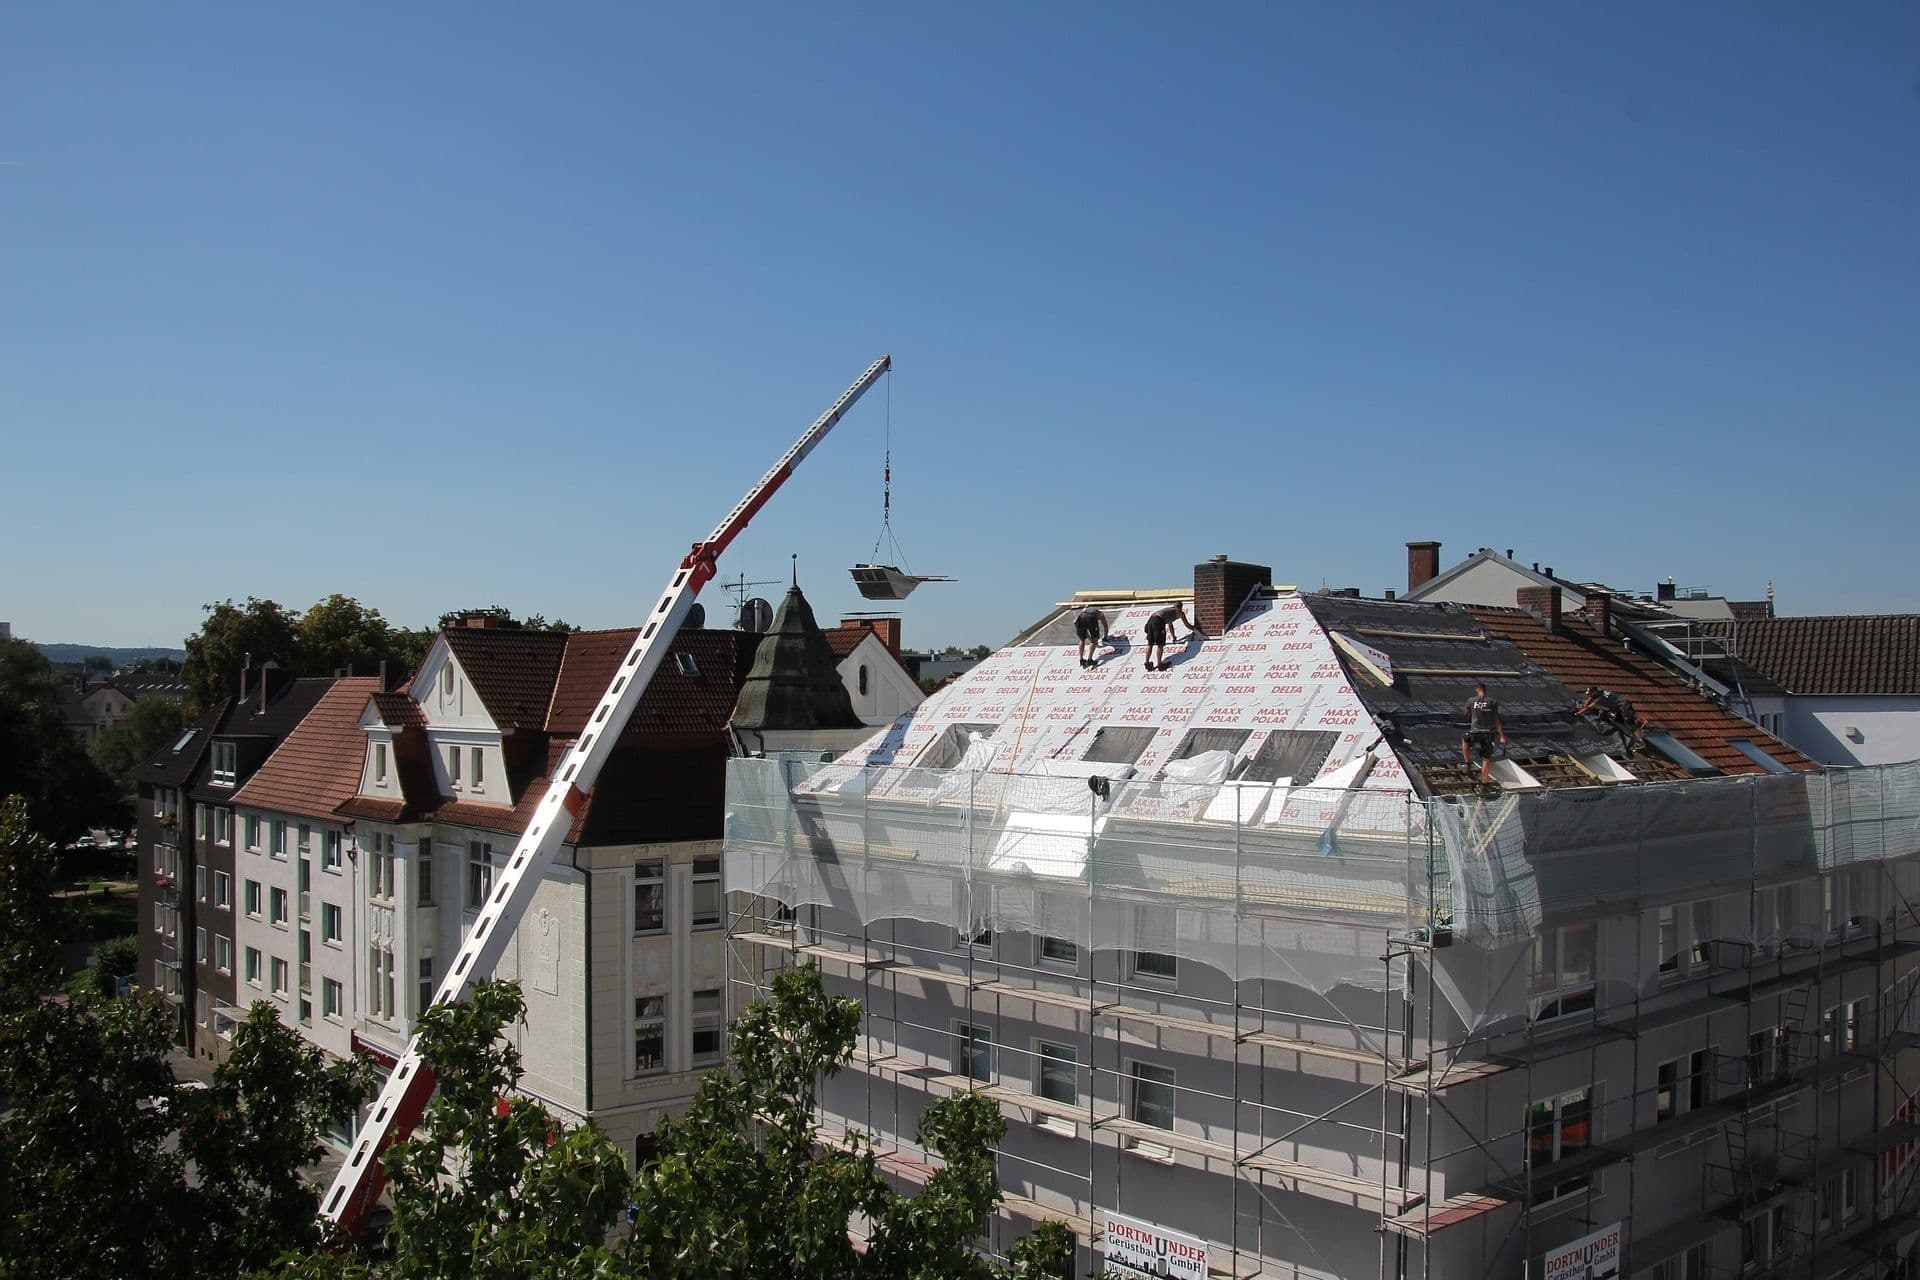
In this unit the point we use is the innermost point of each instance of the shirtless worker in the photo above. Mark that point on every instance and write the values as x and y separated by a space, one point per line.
1092 627
1158 624
1483 723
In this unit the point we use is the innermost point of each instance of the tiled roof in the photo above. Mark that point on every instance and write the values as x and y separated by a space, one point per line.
511 670
398 711
288 701
674 702
175 763
1875 654
1578 656
317 767
846 637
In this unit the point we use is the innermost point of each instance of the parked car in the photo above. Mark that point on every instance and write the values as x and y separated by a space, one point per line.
86 842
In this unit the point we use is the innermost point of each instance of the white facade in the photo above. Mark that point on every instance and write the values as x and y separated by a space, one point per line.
295 927
882 690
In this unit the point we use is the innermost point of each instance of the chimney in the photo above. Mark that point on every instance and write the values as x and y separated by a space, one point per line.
1220 587
1423 564
1600 609
246 665
1664 590
1543 603
1389 594
888 629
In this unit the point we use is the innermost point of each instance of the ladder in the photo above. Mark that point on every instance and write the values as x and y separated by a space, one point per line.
350 1200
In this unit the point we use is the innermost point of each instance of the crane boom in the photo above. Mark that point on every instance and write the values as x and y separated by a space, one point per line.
403 1099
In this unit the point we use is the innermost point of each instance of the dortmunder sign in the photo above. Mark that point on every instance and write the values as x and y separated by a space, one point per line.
1591 1257
1135 1248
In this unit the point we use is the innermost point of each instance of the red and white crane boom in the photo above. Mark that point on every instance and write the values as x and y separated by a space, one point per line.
351 1198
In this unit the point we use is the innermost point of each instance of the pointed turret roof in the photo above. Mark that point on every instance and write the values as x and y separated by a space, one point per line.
795 681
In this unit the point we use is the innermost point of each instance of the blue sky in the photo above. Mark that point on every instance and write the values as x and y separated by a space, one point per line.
445 305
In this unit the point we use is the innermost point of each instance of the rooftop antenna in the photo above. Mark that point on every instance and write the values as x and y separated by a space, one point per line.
891 581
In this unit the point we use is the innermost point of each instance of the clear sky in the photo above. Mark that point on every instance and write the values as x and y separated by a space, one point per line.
465 304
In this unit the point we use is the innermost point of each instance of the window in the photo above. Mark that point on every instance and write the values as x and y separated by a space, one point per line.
423 873
306 1011
306 889
380 764
225 756
330 850
330 1002
253 834
330 923
979 942
689 668
972 1052
200 944
1151 1096
1683 939
1562 975
380 867
446 677
279 976
252 970
277 835
709 1039
453 767
223 826
222 953
1842 1197
1843 1027
426 981
1752 751
199 884
649 896
1155 966
477 772
1056 1079
1119 744
1200 741
1681 1086
380 993
863 679
1766 1056
305 841
200 1008
1763 1238
945 751
1681 754
277 905
706 893
200 823
1059 951
649 1034
1691 1265
1669 941
1558 1128
159 917
1700 946
223 891
1290 753
253 898
479 873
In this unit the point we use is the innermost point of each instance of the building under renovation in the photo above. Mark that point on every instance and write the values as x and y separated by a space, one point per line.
1268 982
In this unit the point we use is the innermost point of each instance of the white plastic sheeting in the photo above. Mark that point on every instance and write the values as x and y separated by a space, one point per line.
1296 884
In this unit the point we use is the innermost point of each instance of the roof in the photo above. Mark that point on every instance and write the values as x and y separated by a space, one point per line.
675 702
317 766
288 701
145 682
795 681
398 711
1871 654
174 765
511 670
1578 656
848 636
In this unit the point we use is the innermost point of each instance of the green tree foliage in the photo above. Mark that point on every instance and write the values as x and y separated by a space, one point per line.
153 724
231 633
340 632
41 760
114 959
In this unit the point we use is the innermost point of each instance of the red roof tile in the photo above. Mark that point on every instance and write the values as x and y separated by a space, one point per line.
846 637
511 670
1874 654
317 766
674 703
1577 656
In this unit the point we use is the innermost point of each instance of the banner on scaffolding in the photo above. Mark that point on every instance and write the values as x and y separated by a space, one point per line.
1591 1257
1136 1248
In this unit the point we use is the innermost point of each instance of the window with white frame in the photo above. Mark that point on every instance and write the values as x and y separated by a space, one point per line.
1843 1027
201 824
222 890
1763 1238
706 893
972 1051
200 884
329 850
1766 1056
225 763
649 1035
1562 974
380 985
1152 1097
159 917
380 764
222 953
978 940
477 769
1684 939
709 1036
1558 1128
423 872
446 678
1155 966
479 873
330 923
277 838
252 969
279 976
1681 1085
1059 951
331 1002
277 906
200 1008
425 972
1056 1079
649 895
1689 1264
304 840
380 885
253 898
200 945
453 766
223 826
253 834
1841 1199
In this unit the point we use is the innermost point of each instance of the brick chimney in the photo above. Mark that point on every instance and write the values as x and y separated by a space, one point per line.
1543 603
888 629
1220 587
1423 564
1600 610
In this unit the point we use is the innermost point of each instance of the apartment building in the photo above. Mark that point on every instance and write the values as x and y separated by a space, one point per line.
1267 982
167 865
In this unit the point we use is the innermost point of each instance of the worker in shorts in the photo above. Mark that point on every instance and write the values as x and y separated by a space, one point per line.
1483 725
1158 625
1091 626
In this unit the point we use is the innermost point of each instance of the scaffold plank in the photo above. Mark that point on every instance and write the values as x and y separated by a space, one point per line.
1056 999
1423 1220
1167 1021
1415 1077
1317 1049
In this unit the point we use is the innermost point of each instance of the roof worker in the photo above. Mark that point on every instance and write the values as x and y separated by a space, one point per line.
1158 624
1483 724
1091 626
1615 712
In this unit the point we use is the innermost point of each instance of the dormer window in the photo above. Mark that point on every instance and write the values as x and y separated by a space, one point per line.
453 766
380 764
689 668
446 679
225 763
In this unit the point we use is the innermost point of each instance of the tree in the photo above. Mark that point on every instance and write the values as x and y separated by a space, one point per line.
233 634
97 662
340 632
41 760
154 723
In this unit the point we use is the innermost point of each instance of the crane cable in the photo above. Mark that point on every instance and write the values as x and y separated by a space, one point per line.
886 492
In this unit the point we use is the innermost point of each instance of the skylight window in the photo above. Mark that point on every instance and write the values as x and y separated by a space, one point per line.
945 751
1289 753
1751 750
1200 741
1681 754
688 667
1119 744
185 738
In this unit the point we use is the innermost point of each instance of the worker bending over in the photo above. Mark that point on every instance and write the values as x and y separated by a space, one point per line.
1483 724
1614 712
1158 624
1091 626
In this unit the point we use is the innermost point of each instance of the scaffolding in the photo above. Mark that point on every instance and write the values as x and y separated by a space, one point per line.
1368 996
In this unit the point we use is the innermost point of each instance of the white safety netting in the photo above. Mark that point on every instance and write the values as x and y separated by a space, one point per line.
1293 884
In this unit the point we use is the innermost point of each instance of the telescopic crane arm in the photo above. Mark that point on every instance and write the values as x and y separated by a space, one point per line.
350 1200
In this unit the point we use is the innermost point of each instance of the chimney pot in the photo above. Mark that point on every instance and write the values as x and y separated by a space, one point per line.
1423 564
1664 590
1220 587
1389 594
